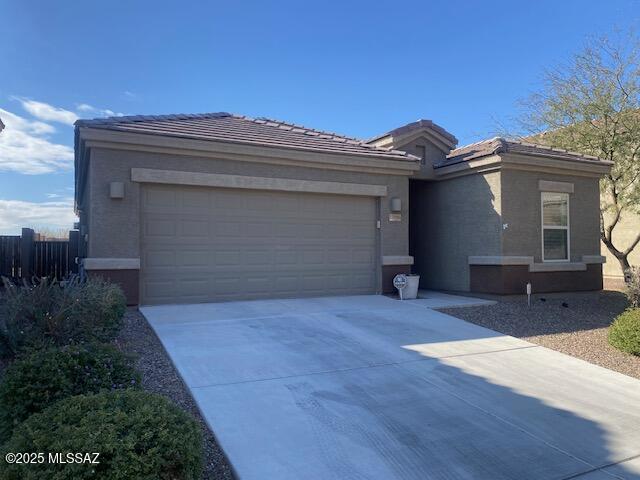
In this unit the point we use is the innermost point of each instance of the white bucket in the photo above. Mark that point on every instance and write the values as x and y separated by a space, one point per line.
410 292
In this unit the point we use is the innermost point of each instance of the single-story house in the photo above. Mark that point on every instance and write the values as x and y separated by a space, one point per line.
213 207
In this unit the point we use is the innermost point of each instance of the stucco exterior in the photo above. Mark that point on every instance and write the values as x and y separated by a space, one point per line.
470 224
450 221
482 231
123 215
113 226
521 215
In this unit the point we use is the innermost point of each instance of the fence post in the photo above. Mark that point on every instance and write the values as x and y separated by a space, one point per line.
74 253
26 253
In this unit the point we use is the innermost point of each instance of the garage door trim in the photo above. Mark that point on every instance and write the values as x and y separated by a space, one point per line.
175 177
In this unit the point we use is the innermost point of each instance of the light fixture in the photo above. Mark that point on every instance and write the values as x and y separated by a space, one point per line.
116 190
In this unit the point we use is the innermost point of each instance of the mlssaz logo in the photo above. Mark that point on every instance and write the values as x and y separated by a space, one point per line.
69 457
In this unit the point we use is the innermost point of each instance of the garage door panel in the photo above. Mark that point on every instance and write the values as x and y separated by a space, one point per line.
313 258
257 258
194 259
163 227
194 228
286 257
195 286
154 257
159 288
226 286
227 257
228 228
362 256
208 244
257 283
159 197
339 257
258 229
196 201
362 281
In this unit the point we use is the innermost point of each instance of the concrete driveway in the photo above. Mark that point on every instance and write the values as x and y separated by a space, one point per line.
369 387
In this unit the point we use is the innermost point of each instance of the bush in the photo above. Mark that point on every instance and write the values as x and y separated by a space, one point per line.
624 333
632 287
38 380
50 313
138 435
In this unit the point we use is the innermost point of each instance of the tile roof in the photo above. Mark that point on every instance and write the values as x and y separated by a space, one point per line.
422 123
501 145
228 127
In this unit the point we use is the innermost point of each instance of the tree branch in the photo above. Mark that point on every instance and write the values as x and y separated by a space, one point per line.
633 245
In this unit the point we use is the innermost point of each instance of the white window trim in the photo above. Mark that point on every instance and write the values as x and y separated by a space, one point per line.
555 227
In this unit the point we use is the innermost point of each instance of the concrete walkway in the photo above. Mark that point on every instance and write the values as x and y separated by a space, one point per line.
369 387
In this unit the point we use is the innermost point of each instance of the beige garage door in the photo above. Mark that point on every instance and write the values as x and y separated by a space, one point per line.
215 244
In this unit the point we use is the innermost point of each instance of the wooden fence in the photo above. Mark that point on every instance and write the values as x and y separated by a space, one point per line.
10 256
26 256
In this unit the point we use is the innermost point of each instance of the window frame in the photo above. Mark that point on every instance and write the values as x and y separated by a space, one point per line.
567 228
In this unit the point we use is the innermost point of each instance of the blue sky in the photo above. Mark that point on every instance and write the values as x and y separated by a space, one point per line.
353 67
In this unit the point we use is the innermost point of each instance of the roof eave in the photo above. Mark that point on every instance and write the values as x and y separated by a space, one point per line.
532 162
129 140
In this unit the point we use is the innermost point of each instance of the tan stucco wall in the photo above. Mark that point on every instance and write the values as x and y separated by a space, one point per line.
521 213
623 234
454 219
492 214
114 225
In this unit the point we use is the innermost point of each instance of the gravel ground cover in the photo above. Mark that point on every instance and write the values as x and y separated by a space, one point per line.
572 323
159 376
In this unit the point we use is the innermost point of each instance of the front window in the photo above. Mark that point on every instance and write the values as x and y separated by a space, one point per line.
555 227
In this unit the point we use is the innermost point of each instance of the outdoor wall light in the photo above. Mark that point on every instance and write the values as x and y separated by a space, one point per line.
396 205
116 190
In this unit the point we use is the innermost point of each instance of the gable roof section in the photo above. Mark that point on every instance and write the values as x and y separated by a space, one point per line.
449 139
499 145
227 127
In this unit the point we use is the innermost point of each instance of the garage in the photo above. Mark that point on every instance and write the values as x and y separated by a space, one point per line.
195 208
203 244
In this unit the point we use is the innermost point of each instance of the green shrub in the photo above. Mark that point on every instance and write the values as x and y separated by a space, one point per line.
138 435
50 313
624 333
36 381
632 287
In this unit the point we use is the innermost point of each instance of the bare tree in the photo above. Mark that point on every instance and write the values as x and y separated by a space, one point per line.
592 105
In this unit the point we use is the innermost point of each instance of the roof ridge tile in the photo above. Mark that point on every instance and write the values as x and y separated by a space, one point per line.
499 144
145 118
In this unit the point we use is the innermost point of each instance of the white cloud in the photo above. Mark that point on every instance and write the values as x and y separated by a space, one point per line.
15 214
46 112
84 107
99 112
54 195
24 147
